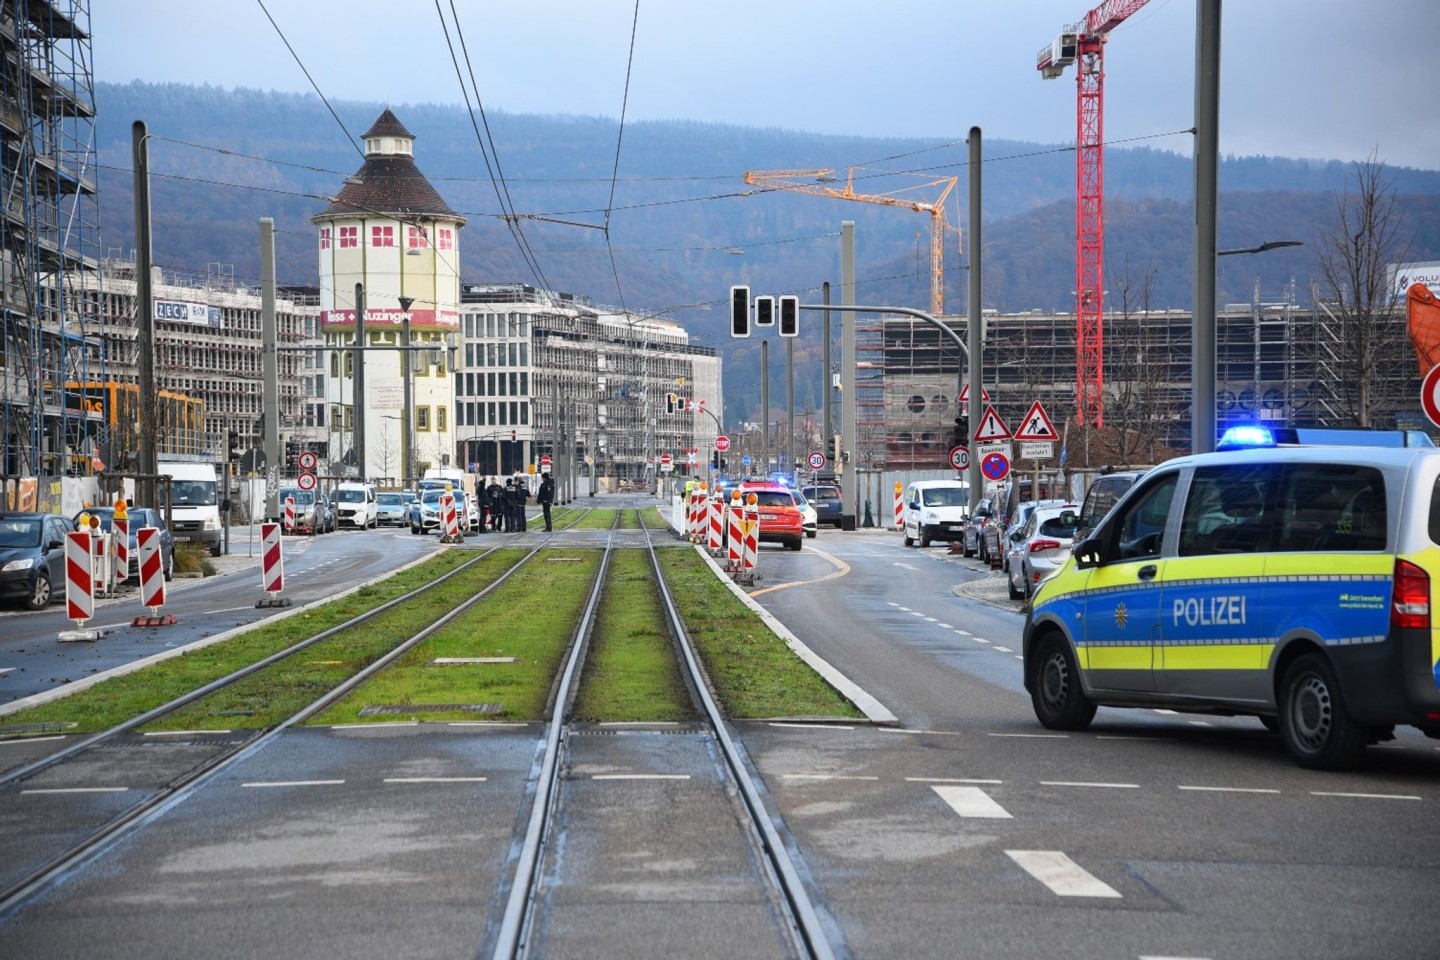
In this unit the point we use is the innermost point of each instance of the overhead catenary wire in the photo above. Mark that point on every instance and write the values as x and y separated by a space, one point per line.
318 92
619 139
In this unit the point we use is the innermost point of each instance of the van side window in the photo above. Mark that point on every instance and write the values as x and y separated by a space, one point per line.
1229 509
1332 507
1139 529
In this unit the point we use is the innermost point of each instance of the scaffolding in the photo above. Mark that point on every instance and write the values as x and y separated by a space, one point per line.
1276 362
49 237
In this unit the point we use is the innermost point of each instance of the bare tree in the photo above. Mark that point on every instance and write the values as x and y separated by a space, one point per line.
1364 337
1137 404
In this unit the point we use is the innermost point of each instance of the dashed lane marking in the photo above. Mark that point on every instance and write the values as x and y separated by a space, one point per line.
434 780
905 566
928 733
1032 736
1184 786
6 743
1082 783
1063 876
1364 796
181 733
972 802
292 783
824 776
809 726
641 776
75 790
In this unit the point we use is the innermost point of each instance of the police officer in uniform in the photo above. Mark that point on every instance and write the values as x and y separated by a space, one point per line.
546 497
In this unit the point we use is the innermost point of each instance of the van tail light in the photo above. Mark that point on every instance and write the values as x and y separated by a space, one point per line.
1037 545
1410 606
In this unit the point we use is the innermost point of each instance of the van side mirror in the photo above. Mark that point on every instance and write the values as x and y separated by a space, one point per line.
914 504
1087 553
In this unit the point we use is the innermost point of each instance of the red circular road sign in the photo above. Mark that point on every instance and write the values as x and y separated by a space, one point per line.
1430 394
306 481
665 460
995 465
308 461
960 458
545 460
722 443
816 460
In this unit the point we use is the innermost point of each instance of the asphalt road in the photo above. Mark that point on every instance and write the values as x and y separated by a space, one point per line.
964 830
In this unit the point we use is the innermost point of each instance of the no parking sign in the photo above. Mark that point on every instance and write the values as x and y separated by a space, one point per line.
995 465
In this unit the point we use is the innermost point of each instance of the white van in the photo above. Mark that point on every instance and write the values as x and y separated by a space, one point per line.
194 504
355 506
935 510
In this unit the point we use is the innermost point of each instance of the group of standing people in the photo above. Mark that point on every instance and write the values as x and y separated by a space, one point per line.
504 505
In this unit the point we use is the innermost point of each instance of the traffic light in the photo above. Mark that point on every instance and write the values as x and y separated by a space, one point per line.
739 311
765 311
714 460
789 316
235 447
835 449
512 436
961 436
669 403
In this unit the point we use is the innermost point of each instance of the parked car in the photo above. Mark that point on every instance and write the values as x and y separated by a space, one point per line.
825 498
137 517
935 510
810 519
355 505
1103 494
392 508
1041 547
425 512
32 557
326 519
999 539
973 539
780 517
307 518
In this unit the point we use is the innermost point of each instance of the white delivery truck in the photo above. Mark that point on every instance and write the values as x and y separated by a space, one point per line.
195 498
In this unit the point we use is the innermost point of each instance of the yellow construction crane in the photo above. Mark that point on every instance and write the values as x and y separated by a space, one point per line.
819 183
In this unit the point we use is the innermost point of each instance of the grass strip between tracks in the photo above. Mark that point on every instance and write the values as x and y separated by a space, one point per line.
632 668
120 698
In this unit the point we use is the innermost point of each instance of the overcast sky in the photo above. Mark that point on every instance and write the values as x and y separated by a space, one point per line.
1330 79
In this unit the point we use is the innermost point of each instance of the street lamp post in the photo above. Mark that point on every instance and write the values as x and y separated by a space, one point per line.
407 439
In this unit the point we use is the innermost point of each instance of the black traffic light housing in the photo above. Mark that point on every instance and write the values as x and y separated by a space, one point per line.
765 311
669 403
235 448
714 460
789 316
961 436
739 311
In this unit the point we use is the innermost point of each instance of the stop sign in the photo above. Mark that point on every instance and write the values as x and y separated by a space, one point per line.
722 443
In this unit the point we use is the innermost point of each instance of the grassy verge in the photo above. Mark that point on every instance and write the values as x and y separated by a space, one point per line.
120 698
596 520
529 618
752 672
632 671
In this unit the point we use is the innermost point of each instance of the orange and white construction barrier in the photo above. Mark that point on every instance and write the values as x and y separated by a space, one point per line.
449 521
735 533
715 516
272 567
79 578
120 522
899 506
289 514
152 578
750 555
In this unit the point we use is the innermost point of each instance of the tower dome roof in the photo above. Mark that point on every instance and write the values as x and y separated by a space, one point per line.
388 184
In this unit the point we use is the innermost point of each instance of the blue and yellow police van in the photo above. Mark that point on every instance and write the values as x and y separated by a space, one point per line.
1280 579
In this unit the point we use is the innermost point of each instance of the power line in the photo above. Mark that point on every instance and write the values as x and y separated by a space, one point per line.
313 84
619 138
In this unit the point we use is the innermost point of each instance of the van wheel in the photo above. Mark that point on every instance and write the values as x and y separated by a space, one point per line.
1055 691
1314 722
909 540
217 550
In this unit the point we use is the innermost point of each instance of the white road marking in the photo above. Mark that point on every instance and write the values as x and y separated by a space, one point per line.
898 607
641 776
930 619
292 783
378 726
979 639
1033 736
1063 876
809 726
181 733
905 566
1156 957
972 802
5 670
951 780
823 776
947 626
963 633
1364 796
1229 789
452 660
928 733
75 790
434 780
1003 649
6 743
1082 783
1200 723
1168 713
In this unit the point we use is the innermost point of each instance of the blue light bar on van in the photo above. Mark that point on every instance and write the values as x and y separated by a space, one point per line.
1248 436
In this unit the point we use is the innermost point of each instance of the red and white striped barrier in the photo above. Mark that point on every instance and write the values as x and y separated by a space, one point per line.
752 537
899 507
122 545
693 526
715 522
272 566
735 533
289 515
449 522
79 578
152 569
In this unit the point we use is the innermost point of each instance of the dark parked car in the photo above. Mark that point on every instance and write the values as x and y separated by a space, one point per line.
138 517
32 557
986 512
825 498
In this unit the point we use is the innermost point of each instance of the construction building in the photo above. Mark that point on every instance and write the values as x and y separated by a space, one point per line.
49 237
1276 362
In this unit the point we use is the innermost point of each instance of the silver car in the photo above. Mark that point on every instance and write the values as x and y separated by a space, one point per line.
1041 547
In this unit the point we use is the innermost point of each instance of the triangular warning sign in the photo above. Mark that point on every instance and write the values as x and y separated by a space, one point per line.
964 397
991 428
1036 425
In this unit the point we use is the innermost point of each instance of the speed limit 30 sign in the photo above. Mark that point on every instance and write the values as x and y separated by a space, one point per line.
816 460
960 458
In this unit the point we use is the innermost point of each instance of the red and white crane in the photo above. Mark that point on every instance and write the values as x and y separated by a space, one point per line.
1083 44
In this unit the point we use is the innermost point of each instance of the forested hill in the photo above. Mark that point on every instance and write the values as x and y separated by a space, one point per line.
684 226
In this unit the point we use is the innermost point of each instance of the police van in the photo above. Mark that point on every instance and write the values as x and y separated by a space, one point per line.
1291 583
